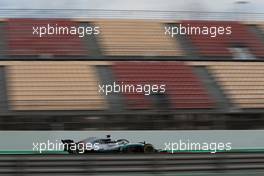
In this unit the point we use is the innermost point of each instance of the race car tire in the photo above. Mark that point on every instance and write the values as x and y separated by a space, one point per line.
148 148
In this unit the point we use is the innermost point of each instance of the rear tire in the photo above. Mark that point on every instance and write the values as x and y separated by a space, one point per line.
148 148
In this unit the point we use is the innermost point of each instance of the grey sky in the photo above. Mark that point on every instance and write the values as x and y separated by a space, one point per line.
176 5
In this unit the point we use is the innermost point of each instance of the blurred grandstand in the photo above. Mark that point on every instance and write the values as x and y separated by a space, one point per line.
51 83
212 83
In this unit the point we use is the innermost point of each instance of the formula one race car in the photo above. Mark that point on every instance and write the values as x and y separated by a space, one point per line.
106 145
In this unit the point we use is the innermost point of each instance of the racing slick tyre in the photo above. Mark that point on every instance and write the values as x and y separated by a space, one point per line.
148 148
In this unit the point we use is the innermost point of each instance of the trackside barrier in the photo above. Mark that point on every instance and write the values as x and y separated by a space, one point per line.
118 164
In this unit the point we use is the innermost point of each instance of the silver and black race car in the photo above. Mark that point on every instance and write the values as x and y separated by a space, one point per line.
106 145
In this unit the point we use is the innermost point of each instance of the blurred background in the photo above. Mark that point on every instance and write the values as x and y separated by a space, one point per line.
136 9
51 84
166 5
